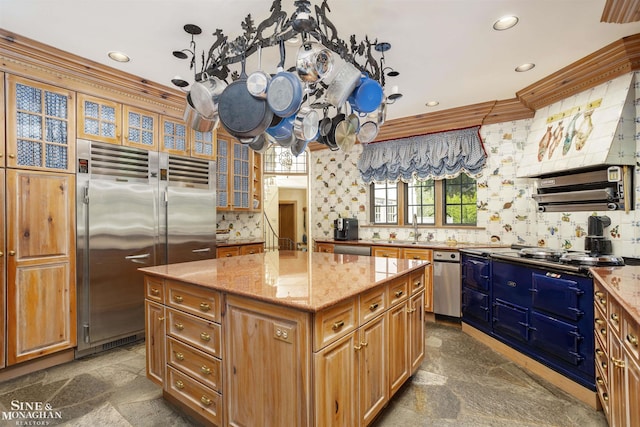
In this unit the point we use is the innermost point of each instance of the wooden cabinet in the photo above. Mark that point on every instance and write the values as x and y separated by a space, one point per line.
155 341
99 119
324 247
416 330
203 144
617 360
114 123
229 251
2 122
41 291
174 136
270 376
371 355
3 270
398 347
427 255
40 126
239 176
386 251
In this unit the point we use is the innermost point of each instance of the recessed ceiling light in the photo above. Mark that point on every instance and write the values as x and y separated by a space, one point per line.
525 67
119 56
432 103
505 23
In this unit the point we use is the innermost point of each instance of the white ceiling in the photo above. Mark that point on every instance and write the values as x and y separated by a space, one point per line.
445 50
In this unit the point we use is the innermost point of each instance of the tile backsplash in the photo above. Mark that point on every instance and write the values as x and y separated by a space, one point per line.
506 212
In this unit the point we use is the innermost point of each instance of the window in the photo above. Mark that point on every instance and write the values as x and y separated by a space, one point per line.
385 203
433 202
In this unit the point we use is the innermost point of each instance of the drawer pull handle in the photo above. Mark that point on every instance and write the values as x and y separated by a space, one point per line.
633 340
603 331
416 257
364 344
618 363
600 381
605 396
603 301
160 319
228 254
599 352
12 253
417 283
179 385
614 317
399 294
205 336
385 255
204 306
373 307
179 356
357 347
337 325
155 292
604 365
178 299
599 321
206 401
179 326
599 294
205 370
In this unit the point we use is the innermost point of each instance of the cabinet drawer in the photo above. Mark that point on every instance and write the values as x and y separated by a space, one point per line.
601 359
250 249
372 303
600 325
630 331
199 365
201 334
424 254
600 296
334 322
416 281
398 291
603 391
227 251
196 396
386 252
154 289
614 316
195 300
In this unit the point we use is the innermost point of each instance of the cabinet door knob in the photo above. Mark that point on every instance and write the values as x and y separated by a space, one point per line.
179 356
179 326
337 325
12 156
1 254
179 385
204 306
205 336
154 292
12 253
399 294
205 370
178 298
632 339
205 401
373 307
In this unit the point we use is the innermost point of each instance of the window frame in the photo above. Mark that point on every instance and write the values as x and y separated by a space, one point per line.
403 218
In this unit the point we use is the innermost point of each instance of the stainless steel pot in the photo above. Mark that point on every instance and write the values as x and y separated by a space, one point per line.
197 121
305 126
205 94
313 62
344 82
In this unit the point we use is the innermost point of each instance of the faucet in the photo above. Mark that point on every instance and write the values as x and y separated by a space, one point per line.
415 228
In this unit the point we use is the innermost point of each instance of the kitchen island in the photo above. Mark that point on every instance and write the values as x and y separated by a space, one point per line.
285 338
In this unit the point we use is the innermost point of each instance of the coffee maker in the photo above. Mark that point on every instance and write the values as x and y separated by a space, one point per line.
345 229
595 243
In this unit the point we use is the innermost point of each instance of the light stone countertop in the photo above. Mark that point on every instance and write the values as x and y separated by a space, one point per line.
451 245
309 281
623 283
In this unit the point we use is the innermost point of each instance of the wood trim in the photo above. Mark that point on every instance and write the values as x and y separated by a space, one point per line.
574 389
621 11
508 110
38 61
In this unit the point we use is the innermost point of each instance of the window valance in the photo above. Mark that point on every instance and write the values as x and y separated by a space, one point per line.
436 155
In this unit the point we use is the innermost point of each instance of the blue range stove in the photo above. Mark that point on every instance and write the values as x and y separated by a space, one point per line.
536 300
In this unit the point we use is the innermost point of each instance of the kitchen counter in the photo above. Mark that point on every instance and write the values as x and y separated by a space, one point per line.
623 283
239 242
449 245
310 281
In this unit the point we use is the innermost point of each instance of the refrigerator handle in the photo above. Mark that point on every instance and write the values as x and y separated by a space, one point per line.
195 251
137 258
166 197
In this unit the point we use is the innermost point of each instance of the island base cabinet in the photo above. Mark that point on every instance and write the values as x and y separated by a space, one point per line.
371 358
155 341
416 323
268 372
203 401
398 347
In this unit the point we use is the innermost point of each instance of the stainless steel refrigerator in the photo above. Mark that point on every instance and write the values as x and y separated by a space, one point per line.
133 212
188 209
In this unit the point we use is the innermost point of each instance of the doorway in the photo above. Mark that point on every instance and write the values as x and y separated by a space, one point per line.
287 223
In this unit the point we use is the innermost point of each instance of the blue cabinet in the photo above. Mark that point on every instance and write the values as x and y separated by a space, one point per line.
476 299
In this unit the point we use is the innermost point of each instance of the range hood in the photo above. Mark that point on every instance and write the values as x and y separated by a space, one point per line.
601 189
592 129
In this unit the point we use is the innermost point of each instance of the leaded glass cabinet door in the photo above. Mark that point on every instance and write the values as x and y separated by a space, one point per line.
241 167
99 119
40 126
174 136
140 128
222 173
203 144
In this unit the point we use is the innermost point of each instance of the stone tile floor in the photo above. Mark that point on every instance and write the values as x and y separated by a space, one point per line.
461 383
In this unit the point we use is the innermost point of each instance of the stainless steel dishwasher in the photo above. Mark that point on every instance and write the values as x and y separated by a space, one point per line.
352 249
446 283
